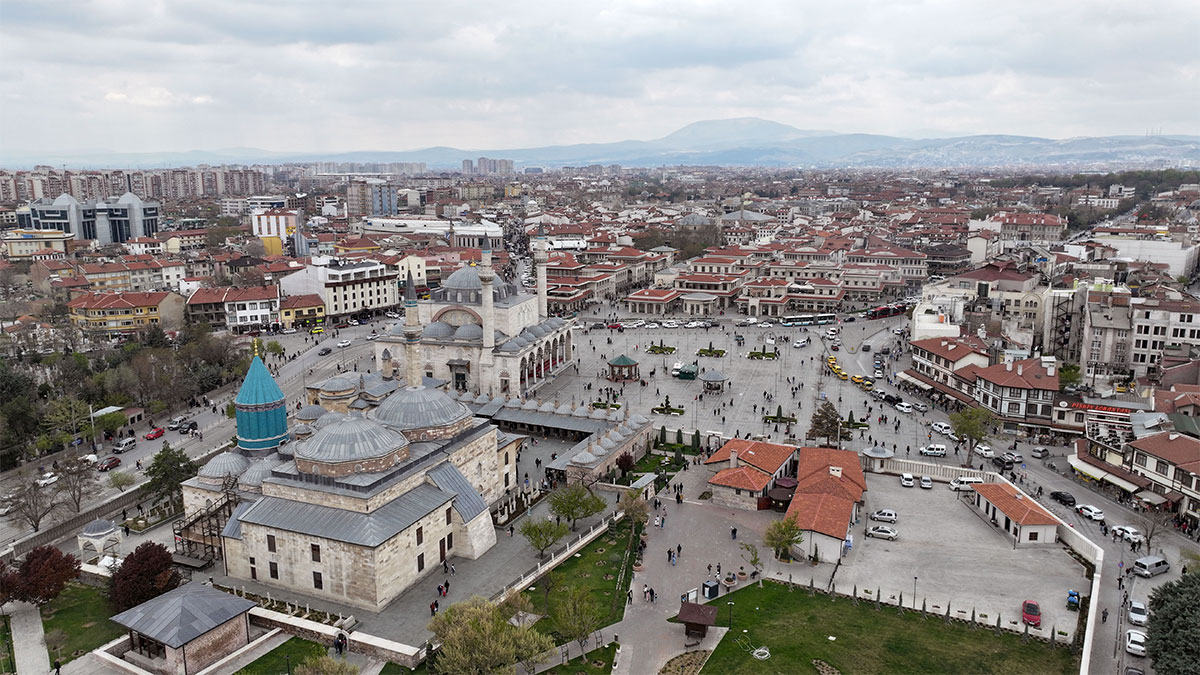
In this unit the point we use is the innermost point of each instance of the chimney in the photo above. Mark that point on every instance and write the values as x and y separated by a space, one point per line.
1172 436
835 471
1008 366
1020 368
733 459
1050 371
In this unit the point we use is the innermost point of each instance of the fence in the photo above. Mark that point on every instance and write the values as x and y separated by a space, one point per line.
945 472
534 573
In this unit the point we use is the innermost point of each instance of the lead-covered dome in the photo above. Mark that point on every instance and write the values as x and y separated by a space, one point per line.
468 331
465 279
352 438
224 464
420 408
436 330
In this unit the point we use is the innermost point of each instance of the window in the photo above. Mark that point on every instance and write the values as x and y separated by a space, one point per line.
254 573
274 570
1139 459
420 536
1162 467
317 582
251 560
448 515
1014 409
450 540
271 543
316 554
420 561
1033 536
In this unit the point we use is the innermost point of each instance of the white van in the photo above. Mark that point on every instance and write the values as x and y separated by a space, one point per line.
904 407
941 427
124 445
676 368
964 483
1149 566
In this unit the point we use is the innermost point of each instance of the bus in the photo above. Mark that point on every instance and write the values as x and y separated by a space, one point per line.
885 311
822 319
805 320
790 321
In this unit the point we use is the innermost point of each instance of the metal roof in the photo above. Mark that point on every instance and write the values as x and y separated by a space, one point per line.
179 616
551 420
349 439
467 501
360 529
224 464
420 408
233 527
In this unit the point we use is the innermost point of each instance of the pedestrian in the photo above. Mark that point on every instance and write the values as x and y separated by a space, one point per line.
437 607
630 593
433 608
656 519
733 532
452 570
440 590
669 552
710 569
124 514
679 549
1104 616
445 567
510 530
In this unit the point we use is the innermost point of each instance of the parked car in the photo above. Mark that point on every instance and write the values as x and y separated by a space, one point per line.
884 516
314 331
342 325
1138 614
650 325
324 351
1064 498
343 343
866 347
373 336
921 407
48 478
1135 642
670 324
883 532
904 407
288 331
1002 464
1038 453
599 324
154 433
1127 533
926 483
984 451
933 450
941 427
800 343
1089 511
764 324
1031 614
907 480
1014 457
748 321
878 373
108 463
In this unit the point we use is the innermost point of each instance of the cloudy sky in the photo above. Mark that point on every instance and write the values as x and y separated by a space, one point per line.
292 75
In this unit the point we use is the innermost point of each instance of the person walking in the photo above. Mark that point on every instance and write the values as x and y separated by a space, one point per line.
1104 616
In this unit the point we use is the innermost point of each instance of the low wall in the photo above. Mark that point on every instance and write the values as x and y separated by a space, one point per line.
938 472
323 634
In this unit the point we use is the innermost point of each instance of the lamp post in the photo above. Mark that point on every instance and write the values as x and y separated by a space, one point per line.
730 603
914 592
288 659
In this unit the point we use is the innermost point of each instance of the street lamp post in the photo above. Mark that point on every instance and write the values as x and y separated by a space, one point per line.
914 592
730 603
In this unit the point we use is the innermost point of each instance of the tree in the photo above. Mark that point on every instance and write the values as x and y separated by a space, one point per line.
634 507
1069 376
30 502
77 480
44 574
274 348
826 423
477 638
750 555
574 502
662 435
111 423
625 462
67 418
325 665
679 436
972 425
145 574
167 470
120 480
696 439
542 533
781 535
577 615
1173 640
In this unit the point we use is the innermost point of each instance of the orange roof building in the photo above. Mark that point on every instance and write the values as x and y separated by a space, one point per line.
1016 513
746 470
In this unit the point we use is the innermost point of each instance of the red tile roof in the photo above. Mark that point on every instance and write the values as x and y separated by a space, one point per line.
767 457
118 300
1020 508
828 514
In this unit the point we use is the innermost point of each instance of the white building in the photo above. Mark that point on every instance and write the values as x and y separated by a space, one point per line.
348 288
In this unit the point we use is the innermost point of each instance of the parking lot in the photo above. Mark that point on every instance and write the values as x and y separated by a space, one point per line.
956 557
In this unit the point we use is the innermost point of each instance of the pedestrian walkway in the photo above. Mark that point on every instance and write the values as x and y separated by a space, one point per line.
29 640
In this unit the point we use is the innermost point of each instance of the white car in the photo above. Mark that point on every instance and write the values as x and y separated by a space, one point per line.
800 343
898 331
1138 614
765 324
1089 511
926 483
907 480
941 427
984 451
670 324
374 336
883 532
1014 457
650 325
1127 533
48 478
343 343
353 322
693 324
933 450
884 515
904 407
637 323
748 321
878 374
288 331
1135 642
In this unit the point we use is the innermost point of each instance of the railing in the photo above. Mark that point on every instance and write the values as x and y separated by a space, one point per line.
534 573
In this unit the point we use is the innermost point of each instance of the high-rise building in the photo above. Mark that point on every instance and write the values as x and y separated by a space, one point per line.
111 221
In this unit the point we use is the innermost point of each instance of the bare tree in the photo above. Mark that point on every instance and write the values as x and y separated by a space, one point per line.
30 502
77 480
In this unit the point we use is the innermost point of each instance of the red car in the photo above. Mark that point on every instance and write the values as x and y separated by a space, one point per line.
108 463
833 348
154 433
614 326
1031 613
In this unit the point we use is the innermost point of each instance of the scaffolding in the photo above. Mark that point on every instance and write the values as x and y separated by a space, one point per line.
198 534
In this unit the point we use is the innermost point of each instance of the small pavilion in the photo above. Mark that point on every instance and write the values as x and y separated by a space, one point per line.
696 619
623 369
714 381
102 536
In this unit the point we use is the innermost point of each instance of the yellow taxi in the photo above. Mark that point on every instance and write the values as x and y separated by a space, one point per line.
842 375
867 385
831 360
857 379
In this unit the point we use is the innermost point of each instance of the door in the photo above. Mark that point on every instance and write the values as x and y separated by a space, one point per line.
442 550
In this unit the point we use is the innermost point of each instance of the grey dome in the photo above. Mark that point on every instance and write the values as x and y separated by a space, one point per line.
624 431
599 414
468 331
98 527
607 443
547 407
466 397
582 411
584 458
437 329
638 421
352 438
615 415
465 279
556 322
513 403
301 430
520 341
510 346
310 412
564 409
327 419
538 330
258 471
482 399
420 408
396 329
224 464
531 404
339 383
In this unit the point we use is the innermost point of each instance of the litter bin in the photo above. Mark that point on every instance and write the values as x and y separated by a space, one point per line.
710 590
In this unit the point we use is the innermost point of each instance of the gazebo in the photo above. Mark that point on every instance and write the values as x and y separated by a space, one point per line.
100 535
714 381
878 454
696 619
623 368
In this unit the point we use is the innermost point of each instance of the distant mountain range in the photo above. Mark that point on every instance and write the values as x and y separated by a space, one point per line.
746 141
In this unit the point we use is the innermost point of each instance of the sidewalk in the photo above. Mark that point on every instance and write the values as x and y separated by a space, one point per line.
29 642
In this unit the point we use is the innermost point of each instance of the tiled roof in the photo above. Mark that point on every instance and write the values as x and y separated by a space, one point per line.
828 514
814 475
742 478
768 457
1022 374
1020 508
118 300
1178 449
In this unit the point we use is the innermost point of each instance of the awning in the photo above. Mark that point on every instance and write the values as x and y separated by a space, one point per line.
1151 497
913 381
1085 468
1121 482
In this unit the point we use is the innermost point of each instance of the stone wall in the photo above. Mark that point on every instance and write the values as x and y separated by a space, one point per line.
396 560
728 497
478 462
215 644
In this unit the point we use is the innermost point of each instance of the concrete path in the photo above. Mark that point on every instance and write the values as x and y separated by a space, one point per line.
29 641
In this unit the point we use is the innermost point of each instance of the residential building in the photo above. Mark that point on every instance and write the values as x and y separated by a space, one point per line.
238 309
1020 394
302 311
1171 462
349 288
747 470
111 221
110 315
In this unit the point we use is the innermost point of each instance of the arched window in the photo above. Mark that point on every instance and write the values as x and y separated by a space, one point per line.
479 469
506 459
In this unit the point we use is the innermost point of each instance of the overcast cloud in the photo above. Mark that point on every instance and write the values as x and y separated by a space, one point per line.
288 75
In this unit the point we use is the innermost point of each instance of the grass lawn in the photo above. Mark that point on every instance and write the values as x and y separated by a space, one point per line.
655 463
81 613
595 662
397 669
597 569
275 661
796 628
7 664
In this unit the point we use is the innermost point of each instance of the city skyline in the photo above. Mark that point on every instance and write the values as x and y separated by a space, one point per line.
129 77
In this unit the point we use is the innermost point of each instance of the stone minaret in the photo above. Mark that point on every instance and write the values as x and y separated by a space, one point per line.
412 334
541 256
487 276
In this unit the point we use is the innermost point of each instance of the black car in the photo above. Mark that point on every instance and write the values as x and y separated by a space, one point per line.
1002 464
324 351
599 324
1064 498
866 347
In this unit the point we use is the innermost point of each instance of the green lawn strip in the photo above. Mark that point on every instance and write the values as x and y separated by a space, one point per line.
81 613
276 661
397 669
652 463
7 659
595 662
584 571
796 628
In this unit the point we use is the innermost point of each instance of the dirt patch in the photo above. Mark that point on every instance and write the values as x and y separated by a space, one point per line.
686 664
